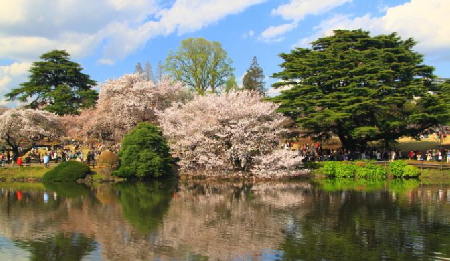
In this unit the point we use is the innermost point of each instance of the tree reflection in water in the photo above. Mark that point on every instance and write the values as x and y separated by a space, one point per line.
144 204
383 225
231 220
62 247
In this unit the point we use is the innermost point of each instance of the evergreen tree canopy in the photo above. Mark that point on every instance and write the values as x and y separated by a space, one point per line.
57 85
138 68
254 78
148 72
359 88
145 154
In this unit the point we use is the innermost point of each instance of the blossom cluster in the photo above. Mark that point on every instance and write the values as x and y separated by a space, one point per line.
123 103
222 131
20 126
278 163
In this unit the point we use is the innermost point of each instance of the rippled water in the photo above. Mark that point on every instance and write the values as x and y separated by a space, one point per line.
311 220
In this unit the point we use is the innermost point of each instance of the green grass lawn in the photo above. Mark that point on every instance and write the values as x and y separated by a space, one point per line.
23 172
34 172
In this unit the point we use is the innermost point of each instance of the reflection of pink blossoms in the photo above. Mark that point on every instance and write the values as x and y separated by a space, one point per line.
225 131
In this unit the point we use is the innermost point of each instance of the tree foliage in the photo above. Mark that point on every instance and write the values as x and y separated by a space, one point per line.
201 64
231 85
145 154
254 78
359 88
57 85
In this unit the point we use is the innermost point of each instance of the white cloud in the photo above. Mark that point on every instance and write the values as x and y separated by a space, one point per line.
295 11
248 34
275 33
191 15
29 28
424 20
274 92
10 77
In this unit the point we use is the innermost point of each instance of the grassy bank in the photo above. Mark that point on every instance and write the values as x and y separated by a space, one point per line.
34 172
435 176
426 176
23 172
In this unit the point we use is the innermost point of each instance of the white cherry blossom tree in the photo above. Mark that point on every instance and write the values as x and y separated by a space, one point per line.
222 132
24 127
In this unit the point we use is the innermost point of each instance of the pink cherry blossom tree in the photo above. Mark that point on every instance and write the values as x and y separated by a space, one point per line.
24 127
125 102
222 132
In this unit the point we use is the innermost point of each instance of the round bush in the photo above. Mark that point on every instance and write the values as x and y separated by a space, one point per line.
145 154
68 171
108 159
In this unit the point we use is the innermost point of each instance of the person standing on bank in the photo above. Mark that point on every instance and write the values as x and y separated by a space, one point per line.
46 160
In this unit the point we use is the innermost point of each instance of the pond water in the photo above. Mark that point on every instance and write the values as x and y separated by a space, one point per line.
302 220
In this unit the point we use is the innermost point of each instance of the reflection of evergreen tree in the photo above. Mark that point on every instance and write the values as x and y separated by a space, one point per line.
360 226
144 204
62 247
68 190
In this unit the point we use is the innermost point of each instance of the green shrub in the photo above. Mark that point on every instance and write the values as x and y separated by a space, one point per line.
145 154
339 169
411 171
397 168
345 170
370 171
68 171
330 167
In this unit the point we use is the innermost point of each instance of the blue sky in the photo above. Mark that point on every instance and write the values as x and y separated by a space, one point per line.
108 37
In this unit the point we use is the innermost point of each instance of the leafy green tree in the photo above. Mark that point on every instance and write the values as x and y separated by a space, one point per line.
231 84
57 84
201 64
359 88
254 78
145 154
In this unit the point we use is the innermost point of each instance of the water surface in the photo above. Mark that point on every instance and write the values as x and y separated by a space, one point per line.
309 220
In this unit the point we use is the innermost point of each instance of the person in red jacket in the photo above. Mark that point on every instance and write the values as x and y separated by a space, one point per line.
19 161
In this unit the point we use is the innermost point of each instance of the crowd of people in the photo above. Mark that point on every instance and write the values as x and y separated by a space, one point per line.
56 153
315 152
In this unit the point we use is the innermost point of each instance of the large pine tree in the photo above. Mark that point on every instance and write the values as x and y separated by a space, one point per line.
254 78
359 88
56 84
